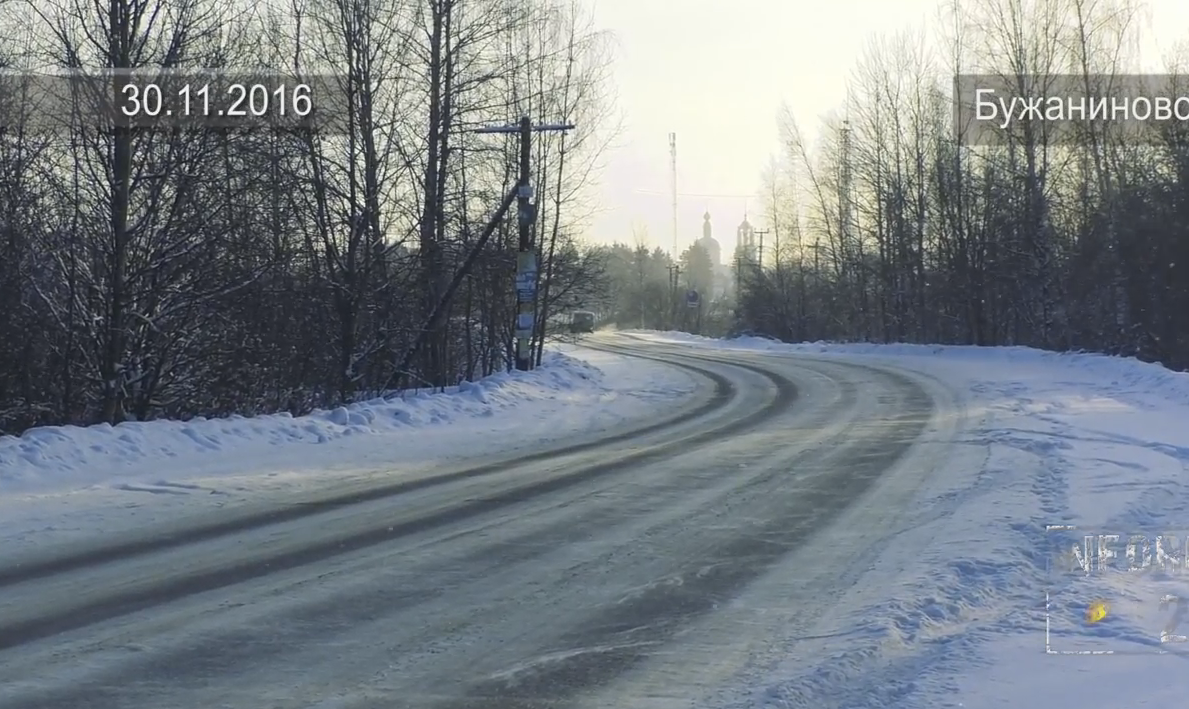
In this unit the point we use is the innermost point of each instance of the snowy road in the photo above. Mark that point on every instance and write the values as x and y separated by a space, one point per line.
643 571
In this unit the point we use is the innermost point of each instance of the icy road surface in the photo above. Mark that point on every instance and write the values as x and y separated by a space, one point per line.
652 570
68 485
966 606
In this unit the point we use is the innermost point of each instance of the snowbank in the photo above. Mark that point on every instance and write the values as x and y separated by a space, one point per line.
54 457
60 485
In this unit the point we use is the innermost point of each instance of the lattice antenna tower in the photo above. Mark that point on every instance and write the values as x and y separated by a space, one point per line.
673 186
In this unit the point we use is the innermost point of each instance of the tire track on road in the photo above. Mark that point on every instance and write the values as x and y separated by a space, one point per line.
98 555
18 632
609 643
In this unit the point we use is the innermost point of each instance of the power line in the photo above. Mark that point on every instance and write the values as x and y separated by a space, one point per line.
666 193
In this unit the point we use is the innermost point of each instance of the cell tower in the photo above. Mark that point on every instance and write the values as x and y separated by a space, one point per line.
673 179
846 214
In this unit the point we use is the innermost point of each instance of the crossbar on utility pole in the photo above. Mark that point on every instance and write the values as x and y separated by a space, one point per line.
526 257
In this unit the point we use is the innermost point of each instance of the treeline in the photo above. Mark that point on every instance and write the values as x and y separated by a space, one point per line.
175 273
890 229
645 288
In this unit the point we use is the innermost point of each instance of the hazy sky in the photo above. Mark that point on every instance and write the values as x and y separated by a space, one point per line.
715 72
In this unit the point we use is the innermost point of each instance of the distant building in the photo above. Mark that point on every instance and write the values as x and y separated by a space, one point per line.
709 243
720 272
747 252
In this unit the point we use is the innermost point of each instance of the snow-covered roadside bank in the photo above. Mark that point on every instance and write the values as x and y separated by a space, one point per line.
58 484
1095 442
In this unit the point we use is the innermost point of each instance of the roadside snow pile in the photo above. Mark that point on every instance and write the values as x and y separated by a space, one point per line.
44 457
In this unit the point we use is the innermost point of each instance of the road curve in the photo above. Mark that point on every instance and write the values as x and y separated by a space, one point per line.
609 574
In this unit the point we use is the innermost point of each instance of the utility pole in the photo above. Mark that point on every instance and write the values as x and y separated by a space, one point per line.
845 208
526 257
643 304
738 282
760 252
674 282
817 279
775 227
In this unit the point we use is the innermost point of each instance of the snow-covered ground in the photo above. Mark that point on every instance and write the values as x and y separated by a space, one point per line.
58 484
1096 443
